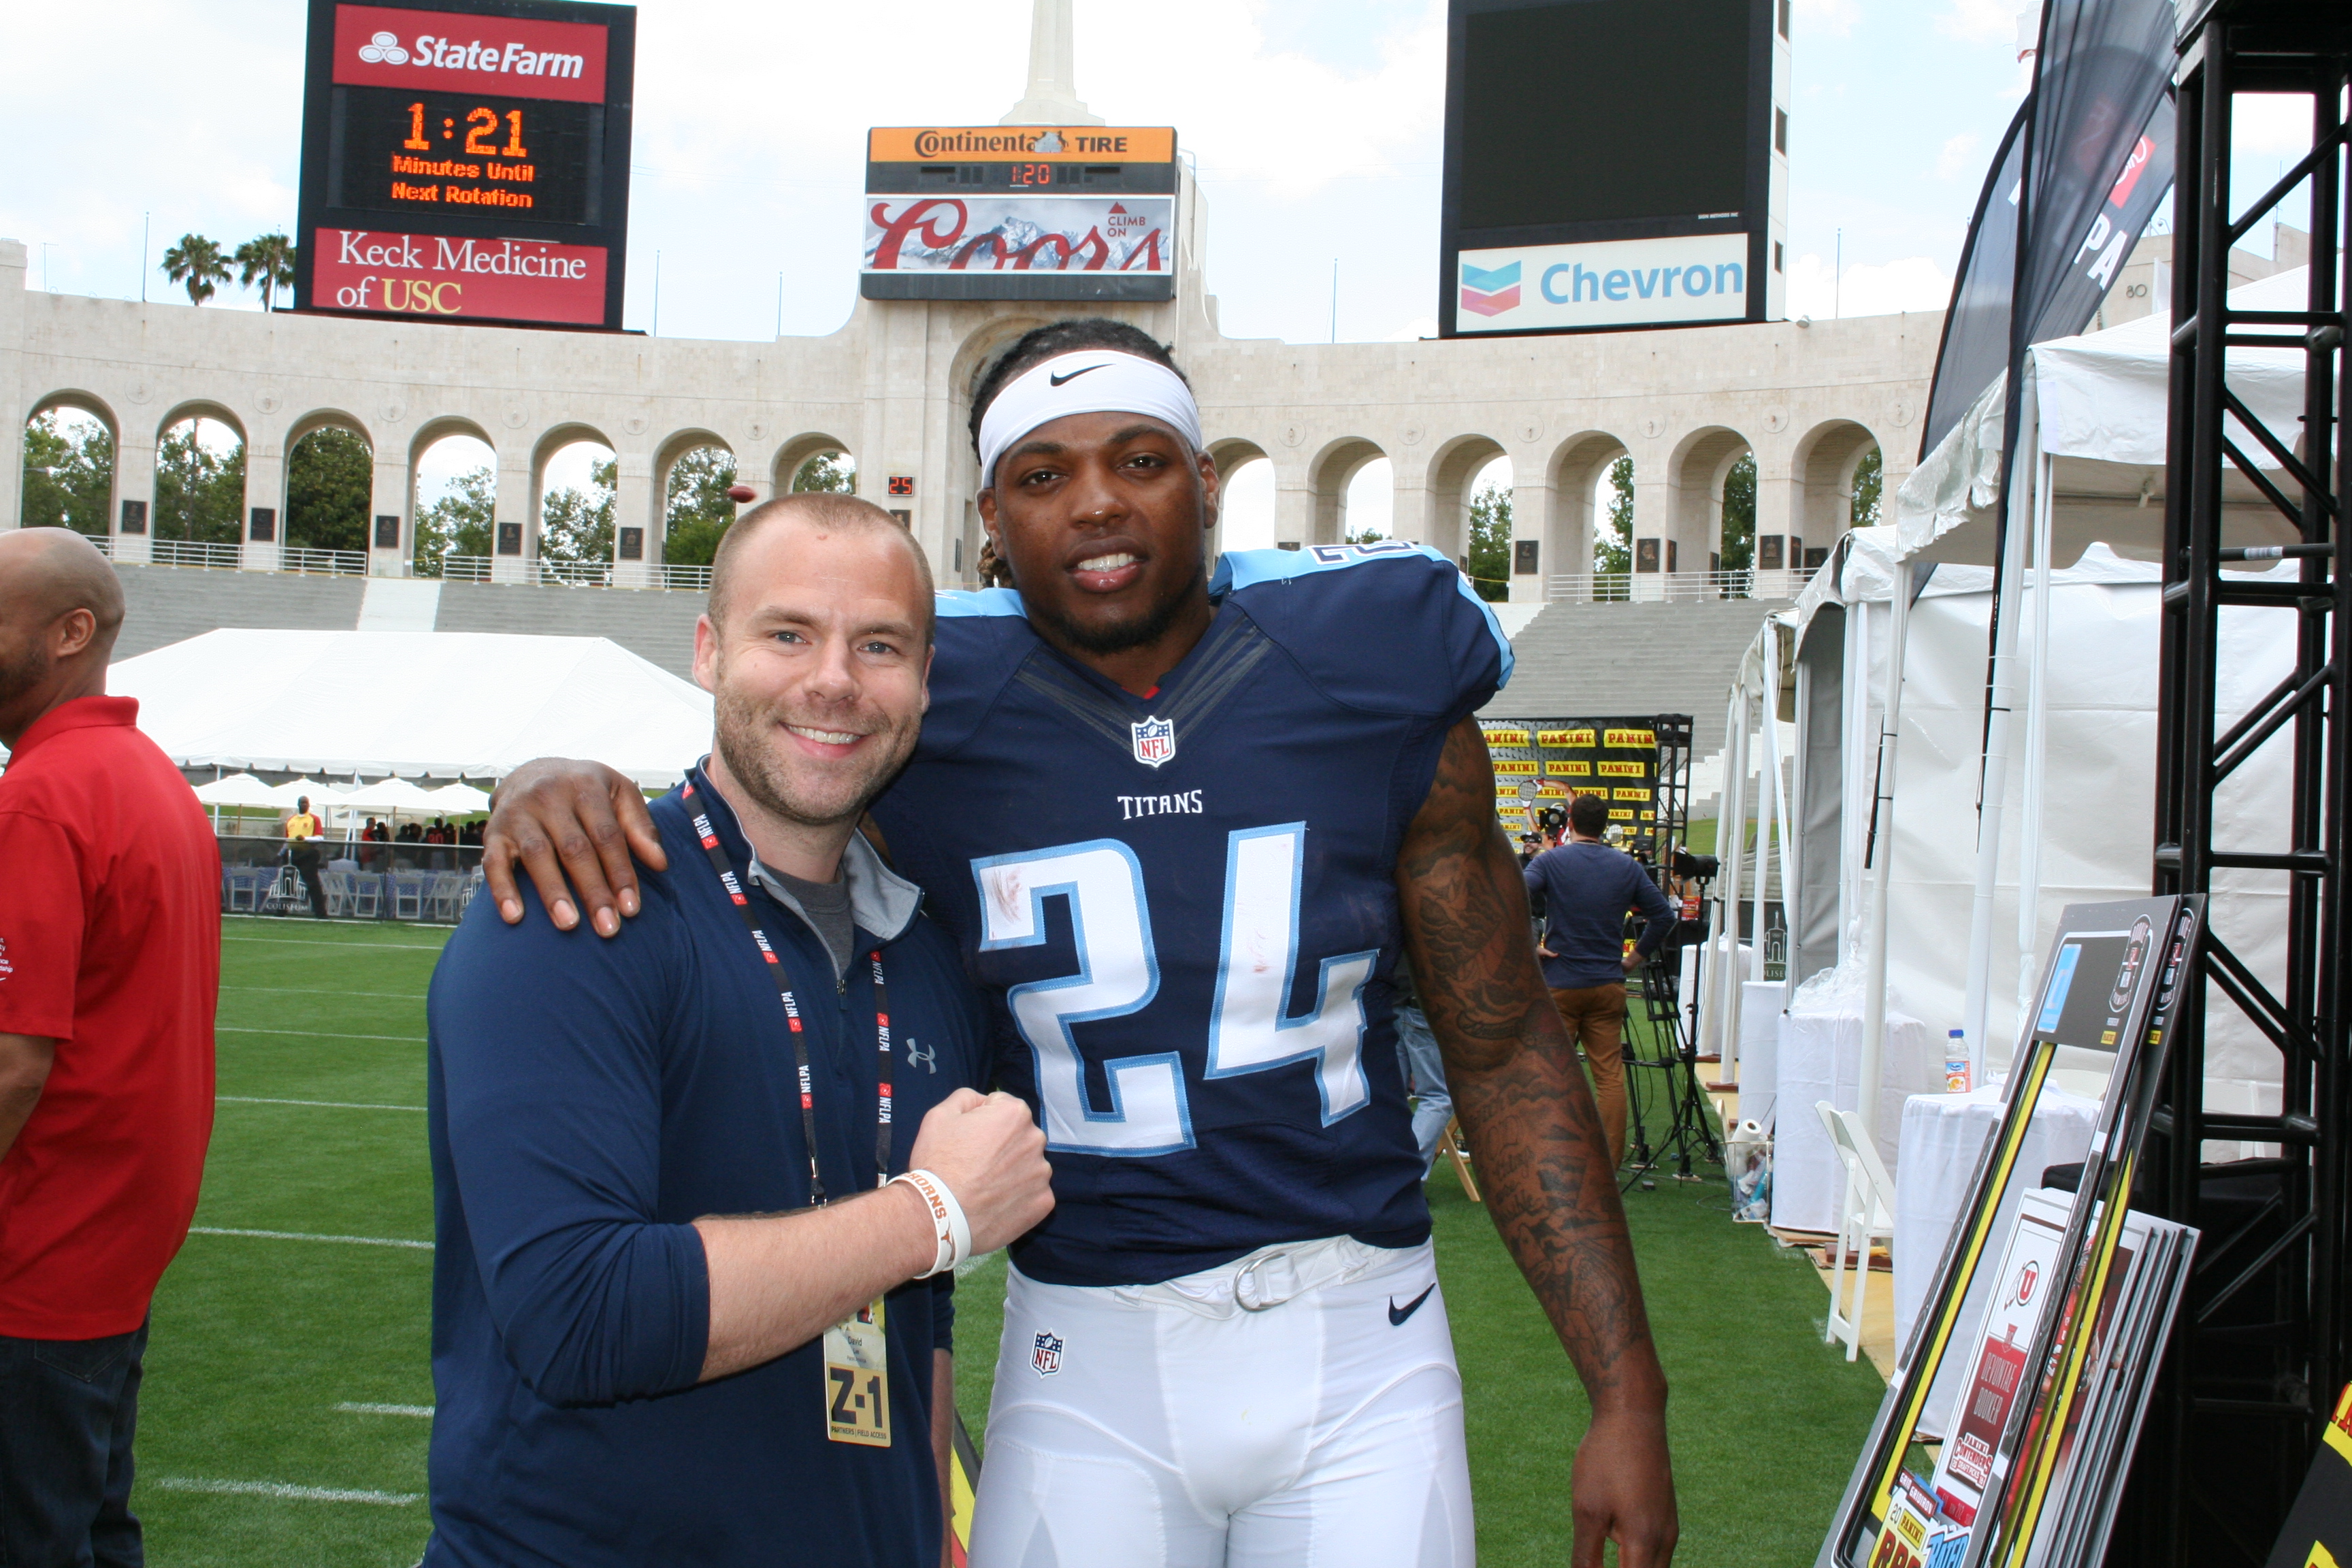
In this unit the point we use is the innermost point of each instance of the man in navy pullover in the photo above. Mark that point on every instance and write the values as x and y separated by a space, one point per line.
1587 889
678 1315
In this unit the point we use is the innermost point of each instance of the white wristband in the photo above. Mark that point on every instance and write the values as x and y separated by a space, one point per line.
947 1218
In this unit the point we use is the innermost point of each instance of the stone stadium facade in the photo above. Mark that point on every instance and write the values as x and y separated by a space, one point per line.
891 388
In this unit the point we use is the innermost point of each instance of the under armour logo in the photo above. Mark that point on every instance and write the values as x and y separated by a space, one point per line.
916 1057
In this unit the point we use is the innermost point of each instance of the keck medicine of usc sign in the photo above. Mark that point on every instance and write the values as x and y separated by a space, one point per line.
454 51
441 276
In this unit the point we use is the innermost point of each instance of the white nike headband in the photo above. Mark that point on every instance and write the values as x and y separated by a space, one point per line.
1094 381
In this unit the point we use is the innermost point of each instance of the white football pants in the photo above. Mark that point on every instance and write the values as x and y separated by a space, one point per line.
1293 1408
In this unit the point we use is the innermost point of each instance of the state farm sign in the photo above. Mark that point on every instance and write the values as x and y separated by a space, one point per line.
376 46
440 277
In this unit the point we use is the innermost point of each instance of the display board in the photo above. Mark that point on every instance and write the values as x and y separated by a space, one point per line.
2318 1533
1563 758
2045 1429
1020 211
1609 164
467 162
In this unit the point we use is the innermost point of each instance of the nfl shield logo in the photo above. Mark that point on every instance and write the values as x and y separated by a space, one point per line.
1045 1354
1155 741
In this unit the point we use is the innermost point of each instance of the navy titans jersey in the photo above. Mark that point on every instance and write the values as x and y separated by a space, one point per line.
1182 907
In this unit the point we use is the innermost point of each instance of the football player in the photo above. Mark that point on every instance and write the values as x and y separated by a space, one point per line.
1184 821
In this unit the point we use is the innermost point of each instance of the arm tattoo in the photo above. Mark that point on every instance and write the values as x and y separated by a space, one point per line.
1534 1131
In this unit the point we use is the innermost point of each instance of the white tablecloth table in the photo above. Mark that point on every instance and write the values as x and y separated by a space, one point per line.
1943 1135
1820 1057
1760 1002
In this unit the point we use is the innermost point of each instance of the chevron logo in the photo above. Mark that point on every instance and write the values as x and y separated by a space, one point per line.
1490 291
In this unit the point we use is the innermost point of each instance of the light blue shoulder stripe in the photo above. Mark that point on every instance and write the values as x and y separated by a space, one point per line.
1243 568
953 602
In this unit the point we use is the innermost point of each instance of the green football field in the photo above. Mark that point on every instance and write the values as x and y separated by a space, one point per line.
289 1387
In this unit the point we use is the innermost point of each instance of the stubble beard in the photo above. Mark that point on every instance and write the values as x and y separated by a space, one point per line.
742 733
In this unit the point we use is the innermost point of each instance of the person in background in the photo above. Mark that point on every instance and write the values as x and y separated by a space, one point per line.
1587 888
109 973
1529 848
303 830
1425 1068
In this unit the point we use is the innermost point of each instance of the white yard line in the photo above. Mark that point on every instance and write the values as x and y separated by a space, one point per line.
301 1235
285 1489
316 1033
302 991
306 941
352 1408
320 1104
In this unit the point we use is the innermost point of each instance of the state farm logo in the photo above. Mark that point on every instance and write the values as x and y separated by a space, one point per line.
383 46
384 49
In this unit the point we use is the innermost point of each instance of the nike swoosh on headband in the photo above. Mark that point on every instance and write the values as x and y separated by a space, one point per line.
1058 380
1398 1315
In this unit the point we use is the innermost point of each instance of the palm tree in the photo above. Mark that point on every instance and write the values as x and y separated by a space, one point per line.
267 261
197 262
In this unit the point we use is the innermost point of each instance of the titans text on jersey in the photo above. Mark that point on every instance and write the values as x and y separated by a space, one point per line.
1195 994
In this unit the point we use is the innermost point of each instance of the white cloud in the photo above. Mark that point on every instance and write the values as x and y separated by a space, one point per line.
2276 124
1958 157
1834 17
1979 21
1913 283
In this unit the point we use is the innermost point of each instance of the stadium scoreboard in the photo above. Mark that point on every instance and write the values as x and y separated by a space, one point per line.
1613 163
468 161
1020 211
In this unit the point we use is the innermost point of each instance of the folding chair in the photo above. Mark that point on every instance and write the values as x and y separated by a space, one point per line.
408 895
367 894
336 885
1451 1146
244 887
1865 1217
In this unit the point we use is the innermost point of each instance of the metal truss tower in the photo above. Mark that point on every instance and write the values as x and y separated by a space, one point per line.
2264 1337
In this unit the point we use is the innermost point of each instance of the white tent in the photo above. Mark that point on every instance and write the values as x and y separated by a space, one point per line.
238 790
395 796
1948 919
435 705
459 800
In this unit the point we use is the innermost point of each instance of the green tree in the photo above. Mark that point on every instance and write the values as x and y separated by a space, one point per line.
831 471
1869 479
1612 543
69 474
577 525
1490 543
266 262
330 485
197 263
199 492
459 522
697 509
1366 536
1739 516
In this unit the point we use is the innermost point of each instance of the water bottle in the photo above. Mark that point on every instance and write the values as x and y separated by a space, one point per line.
1956 1063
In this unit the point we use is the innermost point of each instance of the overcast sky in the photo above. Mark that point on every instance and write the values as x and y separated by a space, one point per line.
1315 124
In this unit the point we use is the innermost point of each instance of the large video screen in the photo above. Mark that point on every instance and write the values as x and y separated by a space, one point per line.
1598 110
467 160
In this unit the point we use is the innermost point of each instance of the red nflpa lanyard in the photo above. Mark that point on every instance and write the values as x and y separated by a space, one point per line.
727 879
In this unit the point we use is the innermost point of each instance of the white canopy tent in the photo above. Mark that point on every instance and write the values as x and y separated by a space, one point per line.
2077 659
238 791
432 705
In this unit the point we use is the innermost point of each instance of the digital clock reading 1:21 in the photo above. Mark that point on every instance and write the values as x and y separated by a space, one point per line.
411 152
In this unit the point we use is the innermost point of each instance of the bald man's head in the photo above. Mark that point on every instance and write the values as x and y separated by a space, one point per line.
60 608
824 511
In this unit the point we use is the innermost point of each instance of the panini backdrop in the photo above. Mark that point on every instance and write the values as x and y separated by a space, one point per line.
1566 757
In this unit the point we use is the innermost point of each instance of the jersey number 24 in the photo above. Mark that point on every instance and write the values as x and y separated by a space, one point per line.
1119 974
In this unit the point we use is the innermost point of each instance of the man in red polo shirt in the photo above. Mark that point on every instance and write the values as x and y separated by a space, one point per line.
109 968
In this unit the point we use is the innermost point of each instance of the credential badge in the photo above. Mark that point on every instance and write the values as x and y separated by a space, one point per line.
1045 1354
1155 741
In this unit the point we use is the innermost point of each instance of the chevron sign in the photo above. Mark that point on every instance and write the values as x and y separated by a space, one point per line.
1490 292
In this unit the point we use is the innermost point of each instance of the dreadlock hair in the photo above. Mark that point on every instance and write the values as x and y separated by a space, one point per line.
1034 347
